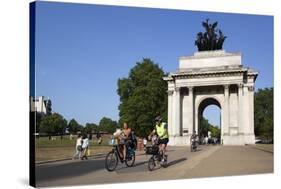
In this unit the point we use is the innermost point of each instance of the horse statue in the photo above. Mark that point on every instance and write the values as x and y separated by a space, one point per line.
210 40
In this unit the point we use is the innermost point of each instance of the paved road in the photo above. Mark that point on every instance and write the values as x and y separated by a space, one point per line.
208 161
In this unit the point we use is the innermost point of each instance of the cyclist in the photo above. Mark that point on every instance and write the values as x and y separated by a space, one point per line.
161 129
194 137
125 140
194 140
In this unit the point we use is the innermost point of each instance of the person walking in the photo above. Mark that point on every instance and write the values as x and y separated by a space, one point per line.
78 147
85 147
144 142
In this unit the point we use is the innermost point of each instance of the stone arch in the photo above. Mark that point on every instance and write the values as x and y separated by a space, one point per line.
202 103
216 75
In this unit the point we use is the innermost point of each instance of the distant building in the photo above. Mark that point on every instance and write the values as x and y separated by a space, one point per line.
40 105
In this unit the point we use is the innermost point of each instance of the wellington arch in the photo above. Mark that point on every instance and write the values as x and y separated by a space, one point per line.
211 78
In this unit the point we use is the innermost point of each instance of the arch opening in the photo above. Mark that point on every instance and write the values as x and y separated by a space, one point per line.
209 121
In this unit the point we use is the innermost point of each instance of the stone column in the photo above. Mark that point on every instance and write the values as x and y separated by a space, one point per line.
170 112
251 107
246 111
240 108
251 90
176 112
190 110
225 126
251 129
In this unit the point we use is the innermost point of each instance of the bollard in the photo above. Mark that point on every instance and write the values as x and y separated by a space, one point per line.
140 144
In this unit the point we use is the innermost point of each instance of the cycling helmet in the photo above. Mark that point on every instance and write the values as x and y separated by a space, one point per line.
158 118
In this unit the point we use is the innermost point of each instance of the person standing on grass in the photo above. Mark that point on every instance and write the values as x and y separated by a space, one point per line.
85 146
78 147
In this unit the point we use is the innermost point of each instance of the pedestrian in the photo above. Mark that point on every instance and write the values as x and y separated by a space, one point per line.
78 147
206 140
144 142
100 140
85 147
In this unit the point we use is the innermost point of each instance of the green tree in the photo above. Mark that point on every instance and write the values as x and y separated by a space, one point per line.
108 125
90 127
53 124
205 126
143 96
263 106
39 117
73 126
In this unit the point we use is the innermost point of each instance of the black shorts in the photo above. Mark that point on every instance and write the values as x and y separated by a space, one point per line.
163 141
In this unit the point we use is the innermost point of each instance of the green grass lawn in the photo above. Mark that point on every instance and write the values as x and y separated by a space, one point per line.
46 149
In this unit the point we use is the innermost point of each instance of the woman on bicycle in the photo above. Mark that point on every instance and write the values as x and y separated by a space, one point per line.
125 140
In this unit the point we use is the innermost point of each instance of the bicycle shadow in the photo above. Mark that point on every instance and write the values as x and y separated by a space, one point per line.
176 161
124 167
198 150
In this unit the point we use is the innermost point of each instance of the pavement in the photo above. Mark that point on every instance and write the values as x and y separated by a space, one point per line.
208 161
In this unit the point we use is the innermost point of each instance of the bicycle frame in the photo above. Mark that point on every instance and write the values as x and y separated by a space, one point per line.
117 151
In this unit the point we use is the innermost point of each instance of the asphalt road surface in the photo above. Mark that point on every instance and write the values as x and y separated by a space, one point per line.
208 161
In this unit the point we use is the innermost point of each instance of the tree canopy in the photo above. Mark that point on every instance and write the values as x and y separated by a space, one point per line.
263 106
73 126
53 124
143 96
108 125
205 126
91 127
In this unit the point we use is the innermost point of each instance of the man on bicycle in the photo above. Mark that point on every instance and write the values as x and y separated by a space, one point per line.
194 139
161 129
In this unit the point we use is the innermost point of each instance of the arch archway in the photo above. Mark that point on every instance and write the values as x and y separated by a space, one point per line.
212 77
202 131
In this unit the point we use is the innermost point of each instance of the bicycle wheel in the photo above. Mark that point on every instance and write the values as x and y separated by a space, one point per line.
151 164
165 163
130 160
111 161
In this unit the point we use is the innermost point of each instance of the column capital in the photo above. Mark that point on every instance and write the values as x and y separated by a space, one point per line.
177 89
226 87
251 88
190 88
240 85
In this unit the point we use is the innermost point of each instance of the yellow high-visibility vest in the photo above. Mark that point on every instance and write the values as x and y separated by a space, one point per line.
161 131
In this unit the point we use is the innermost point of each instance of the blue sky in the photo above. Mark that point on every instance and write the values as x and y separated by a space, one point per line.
81 50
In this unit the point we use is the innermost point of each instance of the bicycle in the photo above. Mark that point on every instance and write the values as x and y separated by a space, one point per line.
193 146
156 158
193 143
113 157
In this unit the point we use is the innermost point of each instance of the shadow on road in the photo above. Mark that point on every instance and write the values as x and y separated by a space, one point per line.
176 161
135 165
198 150
72 169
